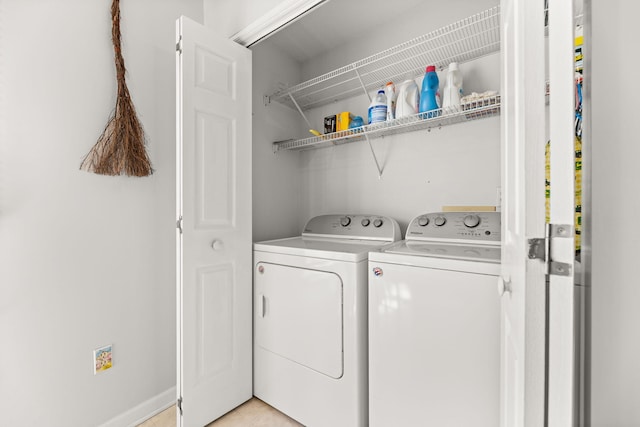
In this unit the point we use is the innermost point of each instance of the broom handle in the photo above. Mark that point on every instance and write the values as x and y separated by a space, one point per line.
116 38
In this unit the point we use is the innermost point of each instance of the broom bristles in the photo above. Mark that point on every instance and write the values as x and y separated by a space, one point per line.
121 147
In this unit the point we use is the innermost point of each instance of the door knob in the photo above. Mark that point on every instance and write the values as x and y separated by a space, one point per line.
504 285
217 245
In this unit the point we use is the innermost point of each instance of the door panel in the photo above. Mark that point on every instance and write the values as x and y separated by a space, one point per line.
215 72
214 290
215 168
214 351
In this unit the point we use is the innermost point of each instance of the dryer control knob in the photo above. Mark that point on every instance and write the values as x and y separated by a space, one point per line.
440 221
345 221
377 223
471 221
365 222
424 221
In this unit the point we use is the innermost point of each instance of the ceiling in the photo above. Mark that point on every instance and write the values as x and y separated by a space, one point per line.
335 21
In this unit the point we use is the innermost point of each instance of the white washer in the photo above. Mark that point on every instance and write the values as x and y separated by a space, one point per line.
310 321
434 324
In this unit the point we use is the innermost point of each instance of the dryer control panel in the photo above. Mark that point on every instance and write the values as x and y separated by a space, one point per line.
464 227
357 227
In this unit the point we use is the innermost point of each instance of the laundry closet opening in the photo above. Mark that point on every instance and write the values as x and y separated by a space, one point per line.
313 80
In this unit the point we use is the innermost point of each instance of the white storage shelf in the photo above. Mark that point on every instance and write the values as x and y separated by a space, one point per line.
487 107
462 41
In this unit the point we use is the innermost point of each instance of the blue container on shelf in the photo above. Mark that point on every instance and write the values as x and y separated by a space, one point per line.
355 123
428 96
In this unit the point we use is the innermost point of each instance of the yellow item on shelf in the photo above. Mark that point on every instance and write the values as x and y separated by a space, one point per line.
343 121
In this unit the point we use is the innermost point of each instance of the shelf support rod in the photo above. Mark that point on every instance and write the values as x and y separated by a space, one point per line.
366 135
363 86
373 153
300 110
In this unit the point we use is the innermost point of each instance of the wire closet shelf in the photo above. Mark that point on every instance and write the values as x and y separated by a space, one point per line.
462 41
477 109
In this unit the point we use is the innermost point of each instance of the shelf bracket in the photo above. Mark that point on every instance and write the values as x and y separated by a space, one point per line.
300 111
373 153
375 158
364 88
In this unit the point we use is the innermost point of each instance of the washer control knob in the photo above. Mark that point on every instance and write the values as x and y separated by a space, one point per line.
345 221
471 221
423 221
365 222
377 223
440 221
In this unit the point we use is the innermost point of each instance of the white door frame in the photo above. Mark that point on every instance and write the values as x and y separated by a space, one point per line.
562 307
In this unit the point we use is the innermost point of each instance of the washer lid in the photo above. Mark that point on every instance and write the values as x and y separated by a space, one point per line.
353 250
482 253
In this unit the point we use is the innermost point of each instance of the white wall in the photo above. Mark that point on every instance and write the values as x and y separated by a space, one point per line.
616 201
86 260
457 165
276 185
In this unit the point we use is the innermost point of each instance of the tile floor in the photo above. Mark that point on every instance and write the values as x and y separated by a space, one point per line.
254 413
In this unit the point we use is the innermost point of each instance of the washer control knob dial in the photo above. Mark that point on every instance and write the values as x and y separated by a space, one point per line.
365 222
345 221
471 221
377 223
440 221
424 221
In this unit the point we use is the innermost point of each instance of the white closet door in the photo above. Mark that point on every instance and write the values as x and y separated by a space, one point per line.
214 289
522 282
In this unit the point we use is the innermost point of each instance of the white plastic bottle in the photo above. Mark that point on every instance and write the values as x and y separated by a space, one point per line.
378 108
390 93
408 99
453 87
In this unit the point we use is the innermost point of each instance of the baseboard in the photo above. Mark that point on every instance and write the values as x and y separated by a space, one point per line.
144 411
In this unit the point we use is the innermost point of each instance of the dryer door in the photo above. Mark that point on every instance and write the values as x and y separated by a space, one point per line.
299 316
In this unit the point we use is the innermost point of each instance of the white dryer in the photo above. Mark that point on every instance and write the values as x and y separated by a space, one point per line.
310 319
434 324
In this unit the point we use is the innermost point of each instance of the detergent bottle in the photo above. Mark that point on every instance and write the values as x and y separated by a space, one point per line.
429 94
378 108
408 99
453 87
390 93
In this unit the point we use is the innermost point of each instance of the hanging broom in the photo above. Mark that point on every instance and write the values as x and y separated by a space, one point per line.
120 150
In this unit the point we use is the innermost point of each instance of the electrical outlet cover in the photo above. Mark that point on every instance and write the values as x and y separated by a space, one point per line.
102 359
